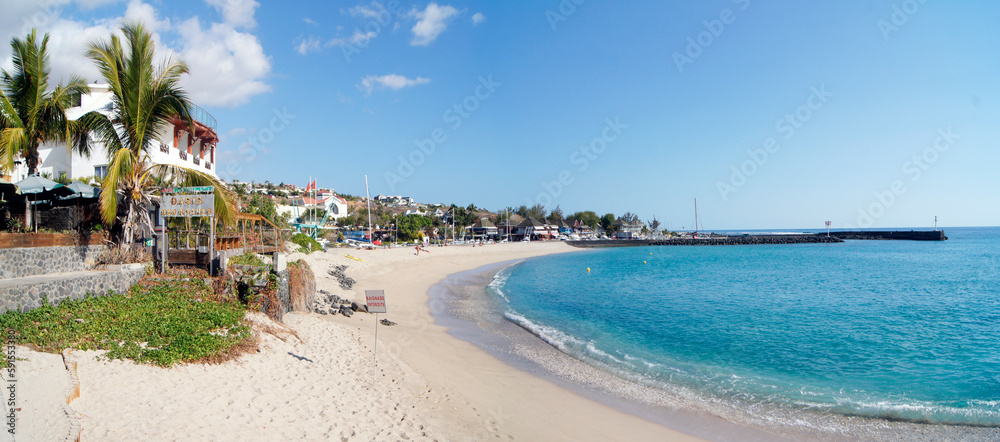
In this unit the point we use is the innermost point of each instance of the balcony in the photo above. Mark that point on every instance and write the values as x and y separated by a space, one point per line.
202 116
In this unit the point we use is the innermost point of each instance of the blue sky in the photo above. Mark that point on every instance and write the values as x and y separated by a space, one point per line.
772 115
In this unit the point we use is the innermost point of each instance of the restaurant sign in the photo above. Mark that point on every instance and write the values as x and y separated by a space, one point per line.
186 206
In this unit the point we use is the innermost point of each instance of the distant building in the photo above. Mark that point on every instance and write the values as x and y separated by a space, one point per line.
335 207
628 230
484 228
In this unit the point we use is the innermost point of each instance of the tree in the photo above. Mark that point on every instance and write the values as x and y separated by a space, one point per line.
654 225
144 99
411 227
30 113
556 215
587 217
608 222
537 211
522 211
629 217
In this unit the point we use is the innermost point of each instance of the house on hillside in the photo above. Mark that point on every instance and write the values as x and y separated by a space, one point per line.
179 144
335 207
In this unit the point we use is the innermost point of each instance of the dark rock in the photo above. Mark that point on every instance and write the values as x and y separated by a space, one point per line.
346 312
387 323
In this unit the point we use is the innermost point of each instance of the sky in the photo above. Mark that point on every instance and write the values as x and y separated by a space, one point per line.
771 114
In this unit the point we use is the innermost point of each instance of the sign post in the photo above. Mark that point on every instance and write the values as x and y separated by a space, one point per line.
828 229
376 304
191 202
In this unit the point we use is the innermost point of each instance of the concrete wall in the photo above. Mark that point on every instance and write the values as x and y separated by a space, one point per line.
27 295
23 262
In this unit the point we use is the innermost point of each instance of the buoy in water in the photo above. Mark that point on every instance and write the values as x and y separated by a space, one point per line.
644 262
588 269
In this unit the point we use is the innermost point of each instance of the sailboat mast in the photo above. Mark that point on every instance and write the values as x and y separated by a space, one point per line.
696 217
368 198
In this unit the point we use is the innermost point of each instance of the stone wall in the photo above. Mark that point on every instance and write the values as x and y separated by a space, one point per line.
23 262
26 294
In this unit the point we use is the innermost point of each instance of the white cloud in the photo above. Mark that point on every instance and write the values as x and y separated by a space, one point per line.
227 66
391 81
308 45
238 13
478 18
431 22
309 20
367 12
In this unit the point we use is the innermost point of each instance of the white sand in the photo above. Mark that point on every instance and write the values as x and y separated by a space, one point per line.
429 385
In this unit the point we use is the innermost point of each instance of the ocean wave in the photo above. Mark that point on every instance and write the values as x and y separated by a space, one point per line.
499 281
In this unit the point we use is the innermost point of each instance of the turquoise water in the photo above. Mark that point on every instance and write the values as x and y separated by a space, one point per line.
899 330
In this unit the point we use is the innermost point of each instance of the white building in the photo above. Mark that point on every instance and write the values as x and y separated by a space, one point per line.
178 144
335 206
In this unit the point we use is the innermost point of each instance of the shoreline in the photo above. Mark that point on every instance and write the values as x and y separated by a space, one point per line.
484 391
475 315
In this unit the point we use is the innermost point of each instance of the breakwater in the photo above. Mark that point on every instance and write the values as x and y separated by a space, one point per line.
710 241
733 240
910 235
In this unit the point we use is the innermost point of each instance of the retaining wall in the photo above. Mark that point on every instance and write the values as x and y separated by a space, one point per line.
26 294
23 262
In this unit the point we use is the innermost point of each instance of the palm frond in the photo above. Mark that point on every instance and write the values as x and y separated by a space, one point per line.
119 178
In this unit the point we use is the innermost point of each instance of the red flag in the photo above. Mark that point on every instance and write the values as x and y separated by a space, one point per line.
308 187
313 185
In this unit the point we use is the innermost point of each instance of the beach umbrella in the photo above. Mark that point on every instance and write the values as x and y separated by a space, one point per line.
82 190
36 188
42 188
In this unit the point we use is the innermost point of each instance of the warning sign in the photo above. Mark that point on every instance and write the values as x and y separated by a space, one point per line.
375 300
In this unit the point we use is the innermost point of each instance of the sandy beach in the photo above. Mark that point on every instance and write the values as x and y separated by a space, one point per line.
314 379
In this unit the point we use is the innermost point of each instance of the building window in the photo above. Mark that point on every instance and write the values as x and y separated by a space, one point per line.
101 171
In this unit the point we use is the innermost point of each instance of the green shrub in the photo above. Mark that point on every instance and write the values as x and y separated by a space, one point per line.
306 242
162 323
247 258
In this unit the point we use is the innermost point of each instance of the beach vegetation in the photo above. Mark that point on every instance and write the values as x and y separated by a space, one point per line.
159 321
306 243
248 258
31 112
146 96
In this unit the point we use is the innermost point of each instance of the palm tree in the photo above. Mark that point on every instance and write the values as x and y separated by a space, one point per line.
144 99
30 113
